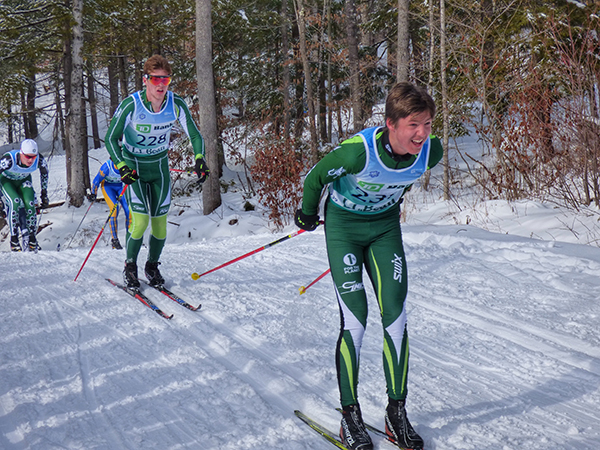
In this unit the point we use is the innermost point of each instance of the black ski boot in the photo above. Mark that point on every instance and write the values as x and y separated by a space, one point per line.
399 428
116 244
130 275
352 431
15 245
33 244
153 274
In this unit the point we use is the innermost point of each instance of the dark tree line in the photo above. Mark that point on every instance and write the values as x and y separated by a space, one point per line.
293 78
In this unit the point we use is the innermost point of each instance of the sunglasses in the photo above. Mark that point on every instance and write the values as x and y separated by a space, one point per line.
157 80
23 155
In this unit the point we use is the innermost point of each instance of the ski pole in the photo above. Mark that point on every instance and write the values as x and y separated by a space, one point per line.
102 229
82 219
303 289
195 275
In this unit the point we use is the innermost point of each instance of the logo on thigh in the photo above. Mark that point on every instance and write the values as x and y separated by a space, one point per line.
351 286
350 261
397 261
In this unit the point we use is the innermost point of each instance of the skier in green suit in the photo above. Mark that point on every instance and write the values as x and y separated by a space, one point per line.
143 123
16 188
368 174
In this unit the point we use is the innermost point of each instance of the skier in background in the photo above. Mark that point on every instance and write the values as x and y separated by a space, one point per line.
143 123
368 174
109 180
16 167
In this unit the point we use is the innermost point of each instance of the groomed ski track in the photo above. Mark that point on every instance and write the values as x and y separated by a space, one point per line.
505 352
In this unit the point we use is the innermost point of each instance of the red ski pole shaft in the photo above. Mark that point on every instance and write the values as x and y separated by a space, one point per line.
196 276
303 289
101 230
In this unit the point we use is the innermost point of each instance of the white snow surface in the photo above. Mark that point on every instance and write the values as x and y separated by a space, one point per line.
503 317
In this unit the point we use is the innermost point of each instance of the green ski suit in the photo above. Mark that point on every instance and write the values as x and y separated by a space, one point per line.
362 229
145 137
16 189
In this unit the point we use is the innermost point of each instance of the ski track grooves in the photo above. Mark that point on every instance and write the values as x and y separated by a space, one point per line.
87 381
563 348
251 363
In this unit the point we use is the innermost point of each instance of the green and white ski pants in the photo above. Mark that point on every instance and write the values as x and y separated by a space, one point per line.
149 200
374 242
17 194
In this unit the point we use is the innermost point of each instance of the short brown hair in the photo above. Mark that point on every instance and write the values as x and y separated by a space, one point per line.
157 62
405 99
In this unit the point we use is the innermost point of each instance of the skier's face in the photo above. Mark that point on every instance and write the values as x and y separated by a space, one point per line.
408 134
27 160
157 84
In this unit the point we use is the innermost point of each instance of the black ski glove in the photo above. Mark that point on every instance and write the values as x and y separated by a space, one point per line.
306 222
45 202
202 170
128 176
91 197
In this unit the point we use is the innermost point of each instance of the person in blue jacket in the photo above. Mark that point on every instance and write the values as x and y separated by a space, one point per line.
16 167
108 179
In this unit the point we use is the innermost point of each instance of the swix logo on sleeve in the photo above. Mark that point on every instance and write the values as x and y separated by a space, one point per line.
397 261
336 173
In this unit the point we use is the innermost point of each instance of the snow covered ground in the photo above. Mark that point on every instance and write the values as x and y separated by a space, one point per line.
504 315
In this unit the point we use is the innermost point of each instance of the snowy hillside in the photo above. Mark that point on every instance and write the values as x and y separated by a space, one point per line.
505 351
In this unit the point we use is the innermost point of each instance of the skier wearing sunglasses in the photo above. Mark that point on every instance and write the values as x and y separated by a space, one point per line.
138 143
16 189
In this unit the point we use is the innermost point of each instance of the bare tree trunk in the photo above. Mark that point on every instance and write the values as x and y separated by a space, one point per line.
24 116
9 124
445 111
403 40
31 112
93 110
427 176
300 15
67 69
123 76
211 194
84 137
329 79
76 188
286 69
113 87
431 46
354 65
